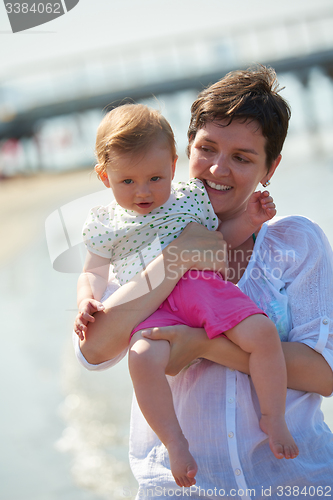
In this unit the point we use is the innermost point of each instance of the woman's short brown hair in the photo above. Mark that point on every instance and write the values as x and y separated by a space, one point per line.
244 95
131 128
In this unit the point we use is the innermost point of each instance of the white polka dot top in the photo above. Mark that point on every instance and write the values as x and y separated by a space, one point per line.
131 240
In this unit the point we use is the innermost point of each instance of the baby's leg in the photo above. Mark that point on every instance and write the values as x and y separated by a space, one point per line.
147 363
258 336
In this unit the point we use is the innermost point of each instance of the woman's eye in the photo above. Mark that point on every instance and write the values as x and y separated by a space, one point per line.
240 159
206 149
128 181
154 179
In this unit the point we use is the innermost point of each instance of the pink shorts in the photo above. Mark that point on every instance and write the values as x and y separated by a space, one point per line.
202 299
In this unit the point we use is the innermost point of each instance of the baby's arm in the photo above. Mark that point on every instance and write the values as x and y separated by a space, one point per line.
260 208
90 288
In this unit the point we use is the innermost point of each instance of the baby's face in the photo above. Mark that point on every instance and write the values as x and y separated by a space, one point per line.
142 182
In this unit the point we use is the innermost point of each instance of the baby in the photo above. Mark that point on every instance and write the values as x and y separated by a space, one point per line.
137 157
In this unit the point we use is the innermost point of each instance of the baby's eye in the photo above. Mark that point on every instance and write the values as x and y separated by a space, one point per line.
154 179
127 181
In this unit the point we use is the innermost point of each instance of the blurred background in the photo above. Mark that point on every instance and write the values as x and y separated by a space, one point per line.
64 431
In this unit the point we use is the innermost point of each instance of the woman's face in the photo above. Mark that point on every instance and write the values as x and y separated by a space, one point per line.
231 161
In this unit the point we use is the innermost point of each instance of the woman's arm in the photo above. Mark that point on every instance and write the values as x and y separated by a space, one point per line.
307 370
108 336
299 357
188 344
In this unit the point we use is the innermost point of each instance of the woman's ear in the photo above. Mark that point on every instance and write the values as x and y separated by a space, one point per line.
266 180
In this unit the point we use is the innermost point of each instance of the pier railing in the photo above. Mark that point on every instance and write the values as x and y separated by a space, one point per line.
165 65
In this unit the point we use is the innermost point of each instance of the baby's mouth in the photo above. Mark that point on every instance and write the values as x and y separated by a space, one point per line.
218 187
144 204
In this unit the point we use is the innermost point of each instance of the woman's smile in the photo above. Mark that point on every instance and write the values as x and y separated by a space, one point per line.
218 187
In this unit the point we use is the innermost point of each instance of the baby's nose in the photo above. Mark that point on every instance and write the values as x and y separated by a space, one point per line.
143 191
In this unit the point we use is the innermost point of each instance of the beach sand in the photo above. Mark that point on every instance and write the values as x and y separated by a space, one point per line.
26 201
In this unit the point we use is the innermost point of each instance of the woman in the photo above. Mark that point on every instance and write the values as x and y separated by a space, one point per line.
236 134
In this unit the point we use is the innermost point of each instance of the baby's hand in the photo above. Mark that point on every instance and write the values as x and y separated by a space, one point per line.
84 316
260 208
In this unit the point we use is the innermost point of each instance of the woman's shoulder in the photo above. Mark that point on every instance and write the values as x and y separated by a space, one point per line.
294 230
292 223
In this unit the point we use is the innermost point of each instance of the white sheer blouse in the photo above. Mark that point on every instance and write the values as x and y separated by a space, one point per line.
290 276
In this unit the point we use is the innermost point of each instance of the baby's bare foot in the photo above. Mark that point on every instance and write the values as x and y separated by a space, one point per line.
281 442
183 465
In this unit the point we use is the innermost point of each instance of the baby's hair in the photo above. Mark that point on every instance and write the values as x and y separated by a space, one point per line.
131 128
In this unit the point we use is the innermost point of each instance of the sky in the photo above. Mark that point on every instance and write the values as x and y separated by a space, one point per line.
95 24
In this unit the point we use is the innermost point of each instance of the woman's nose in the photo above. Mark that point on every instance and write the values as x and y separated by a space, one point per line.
220 168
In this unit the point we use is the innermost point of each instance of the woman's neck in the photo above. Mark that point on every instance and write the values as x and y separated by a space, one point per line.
238 260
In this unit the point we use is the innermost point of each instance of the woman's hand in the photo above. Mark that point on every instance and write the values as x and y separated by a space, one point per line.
186 344
199 248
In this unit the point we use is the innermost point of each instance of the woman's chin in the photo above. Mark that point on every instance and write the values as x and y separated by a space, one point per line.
220 199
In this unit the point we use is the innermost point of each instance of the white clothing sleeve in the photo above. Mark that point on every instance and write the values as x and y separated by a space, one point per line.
309 286
101 366
97 234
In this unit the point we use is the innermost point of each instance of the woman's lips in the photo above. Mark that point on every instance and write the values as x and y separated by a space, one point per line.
217 187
